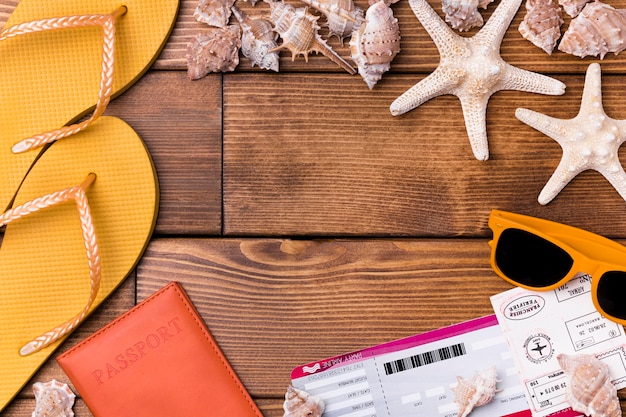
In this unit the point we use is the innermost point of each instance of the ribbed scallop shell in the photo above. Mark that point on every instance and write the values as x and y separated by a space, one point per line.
216 51
257 39
589 387
213 12
299 403
342 16
53 399
542 24
478 391
573 7
597 30
376 43
299 31
463 14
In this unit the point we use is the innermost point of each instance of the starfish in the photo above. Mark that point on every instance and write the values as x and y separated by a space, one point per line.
590 140
471 69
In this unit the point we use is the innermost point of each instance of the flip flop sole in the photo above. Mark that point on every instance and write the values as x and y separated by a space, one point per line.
50 79
44 276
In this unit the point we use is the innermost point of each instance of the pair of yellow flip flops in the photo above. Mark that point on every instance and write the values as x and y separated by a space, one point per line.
80 210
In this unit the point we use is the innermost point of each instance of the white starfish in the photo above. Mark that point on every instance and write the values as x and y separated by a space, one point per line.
590 140
472 70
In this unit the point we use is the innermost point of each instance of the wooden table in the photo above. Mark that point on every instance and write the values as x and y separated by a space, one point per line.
306 221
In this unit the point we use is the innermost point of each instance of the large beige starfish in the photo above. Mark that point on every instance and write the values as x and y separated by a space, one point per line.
471 69
590 140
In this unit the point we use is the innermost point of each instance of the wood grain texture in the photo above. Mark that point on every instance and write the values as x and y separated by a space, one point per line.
321 155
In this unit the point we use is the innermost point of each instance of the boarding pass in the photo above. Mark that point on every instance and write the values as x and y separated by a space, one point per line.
415 376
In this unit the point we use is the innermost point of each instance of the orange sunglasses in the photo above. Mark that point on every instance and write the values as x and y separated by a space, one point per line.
542 255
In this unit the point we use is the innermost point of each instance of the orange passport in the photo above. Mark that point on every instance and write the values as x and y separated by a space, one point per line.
157 359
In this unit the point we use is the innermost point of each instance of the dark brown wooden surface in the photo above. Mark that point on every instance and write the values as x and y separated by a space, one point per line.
305 221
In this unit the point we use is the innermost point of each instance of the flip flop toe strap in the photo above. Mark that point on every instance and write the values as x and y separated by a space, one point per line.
107 22
78 194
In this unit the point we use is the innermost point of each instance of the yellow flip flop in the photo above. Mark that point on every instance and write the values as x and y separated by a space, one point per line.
81 220
60 59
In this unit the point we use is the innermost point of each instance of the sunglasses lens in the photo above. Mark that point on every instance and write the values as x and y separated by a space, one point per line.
531 260
611 288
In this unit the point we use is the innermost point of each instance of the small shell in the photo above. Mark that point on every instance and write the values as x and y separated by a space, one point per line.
478 391
300 403
542 24
213 12
589 387
573 7
463 14
299 31
376 43
257 39
342 16
54 399
598 29
215 51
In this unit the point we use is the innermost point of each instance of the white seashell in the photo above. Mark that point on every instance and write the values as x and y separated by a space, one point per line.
299 403
463 14
598 29
376 43
573 7
299 31
342 16
216 51
213 12
54 399
589 387
542 24
478 391
257 39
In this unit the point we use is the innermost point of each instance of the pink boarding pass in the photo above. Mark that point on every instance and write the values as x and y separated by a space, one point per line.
415 376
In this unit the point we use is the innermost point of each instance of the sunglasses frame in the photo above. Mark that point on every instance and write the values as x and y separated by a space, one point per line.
591 253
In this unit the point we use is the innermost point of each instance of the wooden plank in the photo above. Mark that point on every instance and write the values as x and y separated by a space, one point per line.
181 125
320 155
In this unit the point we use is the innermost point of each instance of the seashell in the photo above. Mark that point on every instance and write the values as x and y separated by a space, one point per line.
589 387
213 12
573 7
257 38
299 31
463 14
342 16
542 24
598 29
478 391
376 43
54 399
216 51
299 403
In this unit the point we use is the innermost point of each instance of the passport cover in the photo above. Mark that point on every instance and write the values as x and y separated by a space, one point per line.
157 359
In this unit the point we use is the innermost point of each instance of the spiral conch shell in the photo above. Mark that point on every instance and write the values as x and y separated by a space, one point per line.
478 391
299 403
216 51
213 12
342 16
299 31
54 399
376 43
257 39
463 14
598 29
589 387
573 7
542 24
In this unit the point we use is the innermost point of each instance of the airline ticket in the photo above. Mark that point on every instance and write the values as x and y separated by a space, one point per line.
414 376
540 325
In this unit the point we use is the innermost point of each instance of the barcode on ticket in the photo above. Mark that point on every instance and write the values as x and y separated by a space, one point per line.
425 358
